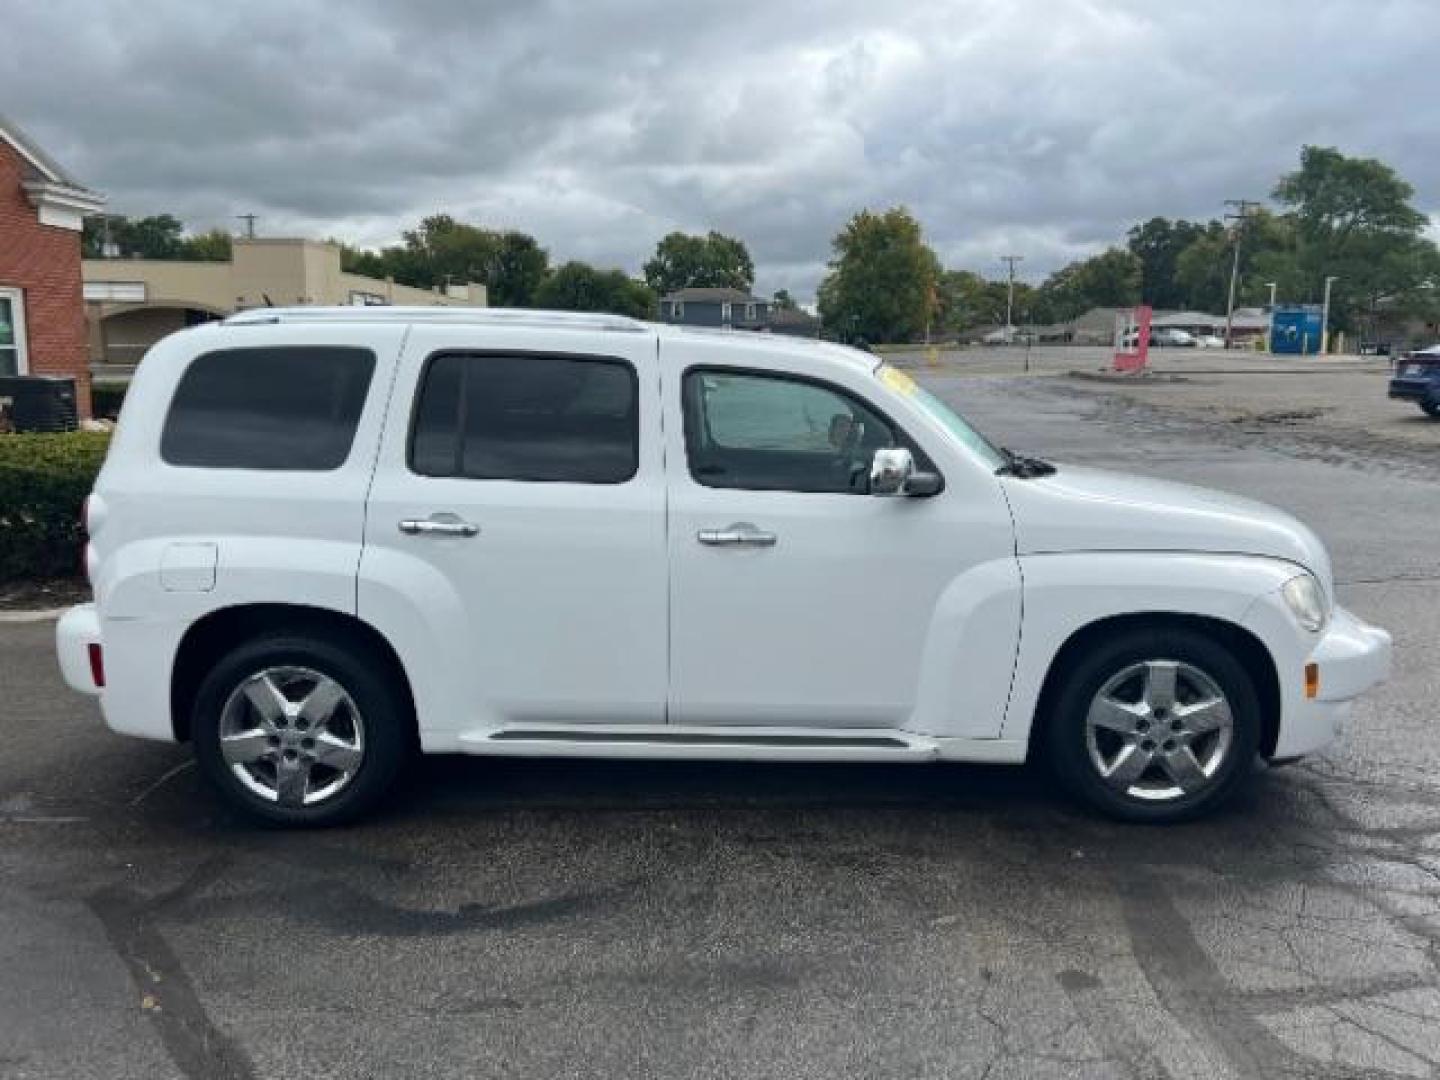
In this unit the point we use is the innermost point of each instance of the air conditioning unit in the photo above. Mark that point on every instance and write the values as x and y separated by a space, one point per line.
39 403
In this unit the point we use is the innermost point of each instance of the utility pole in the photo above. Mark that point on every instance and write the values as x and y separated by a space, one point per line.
1325 317
249 220
1011 260
1243 208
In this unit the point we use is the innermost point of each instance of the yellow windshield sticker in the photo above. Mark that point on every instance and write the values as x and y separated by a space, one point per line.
897 380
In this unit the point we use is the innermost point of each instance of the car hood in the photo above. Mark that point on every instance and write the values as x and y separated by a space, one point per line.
1080 509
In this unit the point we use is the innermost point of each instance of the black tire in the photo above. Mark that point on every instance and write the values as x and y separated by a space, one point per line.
385 718
1431 409
1067 749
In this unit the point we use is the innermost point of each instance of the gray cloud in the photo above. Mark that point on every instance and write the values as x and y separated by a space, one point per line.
1040 126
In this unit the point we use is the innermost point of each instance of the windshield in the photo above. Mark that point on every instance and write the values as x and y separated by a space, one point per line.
938 411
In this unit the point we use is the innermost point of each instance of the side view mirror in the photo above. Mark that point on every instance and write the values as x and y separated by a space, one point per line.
892 472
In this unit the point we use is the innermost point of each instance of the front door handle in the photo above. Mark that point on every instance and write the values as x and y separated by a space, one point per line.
438 525
742 533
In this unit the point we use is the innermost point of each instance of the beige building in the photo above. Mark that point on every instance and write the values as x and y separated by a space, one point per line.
132 303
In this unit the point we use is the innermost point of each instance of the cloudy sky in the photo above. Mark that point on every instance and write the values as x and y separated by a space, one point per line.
1044 127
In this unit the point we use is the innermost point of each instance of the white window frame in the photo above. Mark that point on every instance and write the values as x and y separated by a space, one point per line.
750 312
21 344
725 313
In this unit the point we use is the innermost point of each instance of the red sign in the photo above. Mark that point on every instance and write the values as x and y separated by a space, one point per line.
1132 344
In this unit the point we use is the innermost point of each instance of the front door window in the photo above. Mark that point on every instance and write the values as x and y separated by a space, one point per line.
12 332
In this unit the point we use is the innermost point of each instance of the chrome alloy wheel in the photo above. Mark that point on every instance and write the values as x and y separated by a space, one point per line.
1159 730
292 736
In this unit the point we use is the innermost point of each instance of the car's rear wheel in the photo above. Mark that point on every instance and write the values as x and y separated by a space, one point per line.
1431 408
300 731
1154 726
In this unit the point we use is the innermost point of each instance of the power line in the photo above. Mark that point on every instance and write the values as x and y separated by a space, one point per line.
1243 210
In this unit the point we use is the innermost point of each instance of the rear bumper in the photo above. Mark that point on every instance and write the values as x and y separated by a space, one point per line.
77 630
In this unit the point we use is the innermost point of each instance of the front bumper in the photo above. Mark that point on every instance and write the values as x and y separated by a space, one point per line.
1406 389
1352 657
77 630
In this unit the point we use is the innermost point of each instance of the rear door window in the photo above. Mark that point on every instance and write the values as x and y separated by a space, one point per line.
538 418
280 408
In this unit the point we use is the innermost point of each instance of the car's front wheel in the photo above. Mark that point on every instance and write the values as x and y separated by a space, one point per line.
1154 726
300 731
1431 408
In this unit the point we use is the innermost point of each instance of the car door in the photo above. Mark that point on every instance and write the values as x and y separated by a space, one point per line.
798 599
515 534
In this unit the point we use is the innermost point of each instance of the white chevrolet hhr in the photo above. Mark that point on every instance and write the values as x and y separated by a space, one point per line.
326 539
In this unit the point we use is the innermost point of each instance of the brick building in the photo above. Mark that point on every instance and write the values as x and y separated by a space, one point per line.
42 315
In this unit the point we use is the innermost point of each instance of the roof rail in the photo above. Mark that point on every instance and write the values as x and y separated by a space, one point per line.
578 320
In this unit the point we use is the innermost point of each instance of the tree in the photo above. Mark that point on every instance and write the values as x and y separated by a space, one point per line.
882 280
355 260
1158 243
517 271
1267 253
161 236
1110 279
965 300
783 301
212 246
1202 271
440 251
578 286
710 261
1352 218
156 237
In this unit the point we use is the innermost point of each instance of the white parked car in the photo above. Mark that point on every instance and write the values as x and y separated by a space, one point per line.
325 539
1173 337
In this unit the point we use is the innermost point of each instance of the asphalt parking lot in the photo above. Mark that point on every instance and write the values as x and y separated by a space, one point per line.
511 918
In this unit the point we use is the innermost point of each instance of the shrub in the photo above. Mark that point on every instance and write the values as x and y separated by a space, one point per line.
44 480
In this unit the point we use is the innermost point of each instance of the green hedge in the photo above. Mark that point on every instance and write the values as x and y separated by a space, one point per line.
43 483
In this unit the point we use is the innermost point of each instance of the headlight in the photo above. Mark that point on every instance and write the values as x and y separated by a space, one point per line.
1306 601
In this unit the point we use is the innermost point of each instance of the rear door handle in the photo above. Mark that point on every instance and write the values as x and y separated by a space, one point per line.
438 525
741 534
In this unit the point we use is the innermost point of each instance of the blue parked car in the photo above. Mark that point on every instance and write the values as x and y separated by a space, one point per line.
1417 379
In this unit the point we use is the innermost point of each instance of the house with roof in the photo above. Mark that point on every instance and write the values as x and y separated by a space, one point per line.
729 308
42 315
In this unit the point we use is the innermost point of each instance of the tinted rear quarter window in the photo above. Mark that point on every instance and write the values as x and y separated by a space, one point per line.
535 418
280 408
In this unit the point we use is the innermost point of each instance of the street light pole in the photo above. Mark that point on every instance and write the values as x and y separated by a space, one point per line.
1325 317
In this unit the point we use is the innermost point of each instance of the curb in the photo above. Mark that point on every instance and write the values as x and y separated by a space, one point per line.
1133 378
18 618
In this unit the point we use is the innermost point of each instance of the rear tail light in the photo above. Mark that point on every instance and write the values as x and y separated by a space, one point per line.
97 664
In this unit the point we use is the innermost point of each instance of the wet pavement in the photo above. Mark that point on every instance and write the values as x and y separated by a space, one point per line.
568 919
